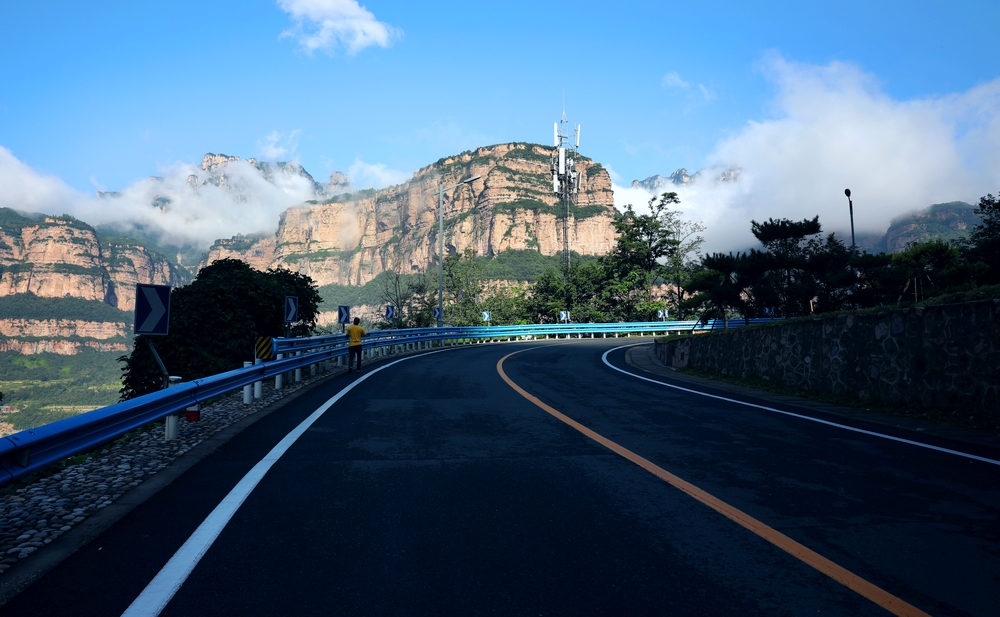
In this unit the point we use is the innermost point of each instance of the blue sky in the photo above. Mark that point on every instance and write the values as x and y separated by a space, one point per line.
101 95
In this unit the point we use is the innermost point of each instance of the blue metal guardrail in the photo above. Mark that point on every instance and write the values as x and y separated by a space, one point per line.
34 449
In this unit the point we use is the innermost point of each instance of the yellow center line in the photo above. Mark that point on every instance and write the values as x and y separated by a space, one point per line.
808 556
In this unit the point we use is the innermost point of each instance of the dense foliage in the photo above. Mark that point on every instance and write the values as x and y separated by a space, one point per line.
215 320
30 306
655 264
47 387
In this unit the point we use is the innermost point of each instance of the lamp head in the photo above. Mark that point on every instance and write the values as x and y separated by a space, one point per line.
848 193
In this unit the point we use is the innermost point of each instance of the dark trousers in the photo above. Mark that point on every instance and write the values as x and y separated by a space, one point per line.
354 352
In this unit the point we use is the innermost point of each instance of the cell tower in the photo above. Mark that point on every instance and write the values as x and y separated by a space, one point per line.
565 179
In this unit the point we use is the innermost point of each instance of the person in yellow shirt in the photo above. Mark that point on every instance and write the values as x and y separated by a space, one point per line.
354 334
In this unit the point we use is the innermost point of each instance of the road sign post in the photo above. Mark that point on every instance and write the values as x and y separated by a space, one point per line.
152 318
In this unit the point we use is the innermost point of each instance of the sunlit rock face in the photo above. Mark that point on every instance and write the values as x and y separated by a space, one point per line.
350 239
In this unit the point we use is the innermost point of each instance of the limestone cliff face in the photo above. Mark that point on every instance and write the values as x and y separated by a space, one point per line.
57 257
351 239
54 258
61 336
101 330
62 347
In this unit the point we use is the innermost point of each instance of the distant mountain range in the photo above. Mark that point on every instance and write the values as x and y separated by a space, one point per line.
658 183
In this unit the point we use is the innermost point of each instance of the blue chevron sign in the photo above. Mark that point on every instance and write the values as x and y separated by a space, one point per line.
152 309
390 312
343 314
291 308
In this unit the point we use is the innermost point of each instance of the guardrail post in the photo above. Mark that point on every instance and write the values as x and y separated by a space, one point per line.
277 378
170 422
258 386
246 389
298 371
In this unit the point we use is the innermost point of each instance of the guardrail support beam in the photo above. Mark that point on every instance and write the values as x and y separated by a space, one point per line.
277 378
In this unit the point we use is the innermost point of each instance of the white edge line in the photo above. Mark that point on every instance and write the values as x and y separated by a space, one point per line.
161 589
794 415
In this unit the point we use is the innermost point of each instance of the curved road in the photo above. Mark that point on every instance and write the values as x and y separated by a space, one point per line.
432 487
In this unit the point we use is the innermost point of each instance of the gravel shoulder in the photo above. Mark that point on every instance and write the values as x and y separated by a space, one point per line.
47 521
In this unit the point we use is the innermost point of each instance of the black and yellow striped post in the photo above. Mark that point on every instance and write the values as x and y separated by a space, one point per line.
263 348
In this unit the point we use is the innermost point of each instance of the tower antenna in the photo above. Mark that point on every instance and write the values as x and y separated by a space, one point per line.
565 179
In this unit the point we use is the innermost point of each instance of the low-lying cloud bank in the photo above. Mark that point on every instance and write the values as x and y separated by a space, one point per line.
178 206
834 128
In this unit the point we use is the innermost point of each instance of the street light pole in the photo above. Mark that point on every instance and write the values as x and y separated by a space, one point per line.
851 206
441 189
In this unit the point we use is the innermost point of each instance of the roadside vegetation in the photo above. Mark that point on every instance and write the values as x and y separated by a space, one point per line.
46 387
657 264
215 321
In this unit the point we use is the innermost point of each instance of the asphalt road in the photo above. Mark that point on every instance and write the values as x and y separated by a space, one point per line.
434 488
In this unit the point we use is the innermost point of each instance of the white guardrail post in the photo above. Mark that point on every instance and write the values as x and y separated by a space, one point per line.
258 386
277 378
247 389
170 422
298 371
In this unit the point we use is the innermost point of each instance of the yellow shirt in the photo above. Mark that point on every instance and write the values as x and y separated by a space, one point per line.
354 334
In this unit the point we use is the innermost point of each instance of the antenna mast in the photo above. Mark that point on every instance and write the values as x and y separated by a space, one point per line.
565 179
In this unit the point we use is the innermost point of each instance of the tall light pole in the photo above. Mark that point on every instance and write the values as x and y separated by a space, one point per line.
441 189
850 204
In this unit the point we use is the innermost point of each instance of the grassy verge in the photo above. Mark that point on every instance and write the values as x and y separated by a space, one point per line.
938 416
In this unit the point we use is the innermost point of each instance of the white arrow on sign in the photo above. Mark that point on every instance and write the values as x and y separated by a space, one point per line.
156 309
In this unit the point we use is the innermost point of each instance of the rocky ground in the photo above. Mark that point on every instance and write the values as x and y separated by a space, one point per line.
33 516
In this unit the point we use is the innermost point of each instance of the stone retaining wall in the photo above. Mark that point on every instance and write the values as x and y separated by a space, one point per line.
943 357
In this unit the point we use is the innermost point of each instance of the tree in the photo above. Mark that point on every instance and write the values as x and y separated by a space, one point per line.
635 263
783 240
680 263
930 268
215 320
717 287
828 265
463 288
983 243
878 283
410 295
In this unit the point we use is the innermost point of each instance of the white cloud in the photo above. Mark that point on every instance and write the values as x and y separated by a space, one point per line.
195 214
834 128
375 175
27 191
707 94
332 24
673 80
278 145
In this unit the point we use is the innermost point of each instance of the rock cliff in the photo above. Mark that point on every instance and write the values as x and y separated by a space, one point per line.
949 221
350 239
60 257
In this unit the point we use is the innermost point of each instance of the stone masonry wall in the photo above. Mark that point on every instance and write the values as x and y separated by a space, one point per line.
942 357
